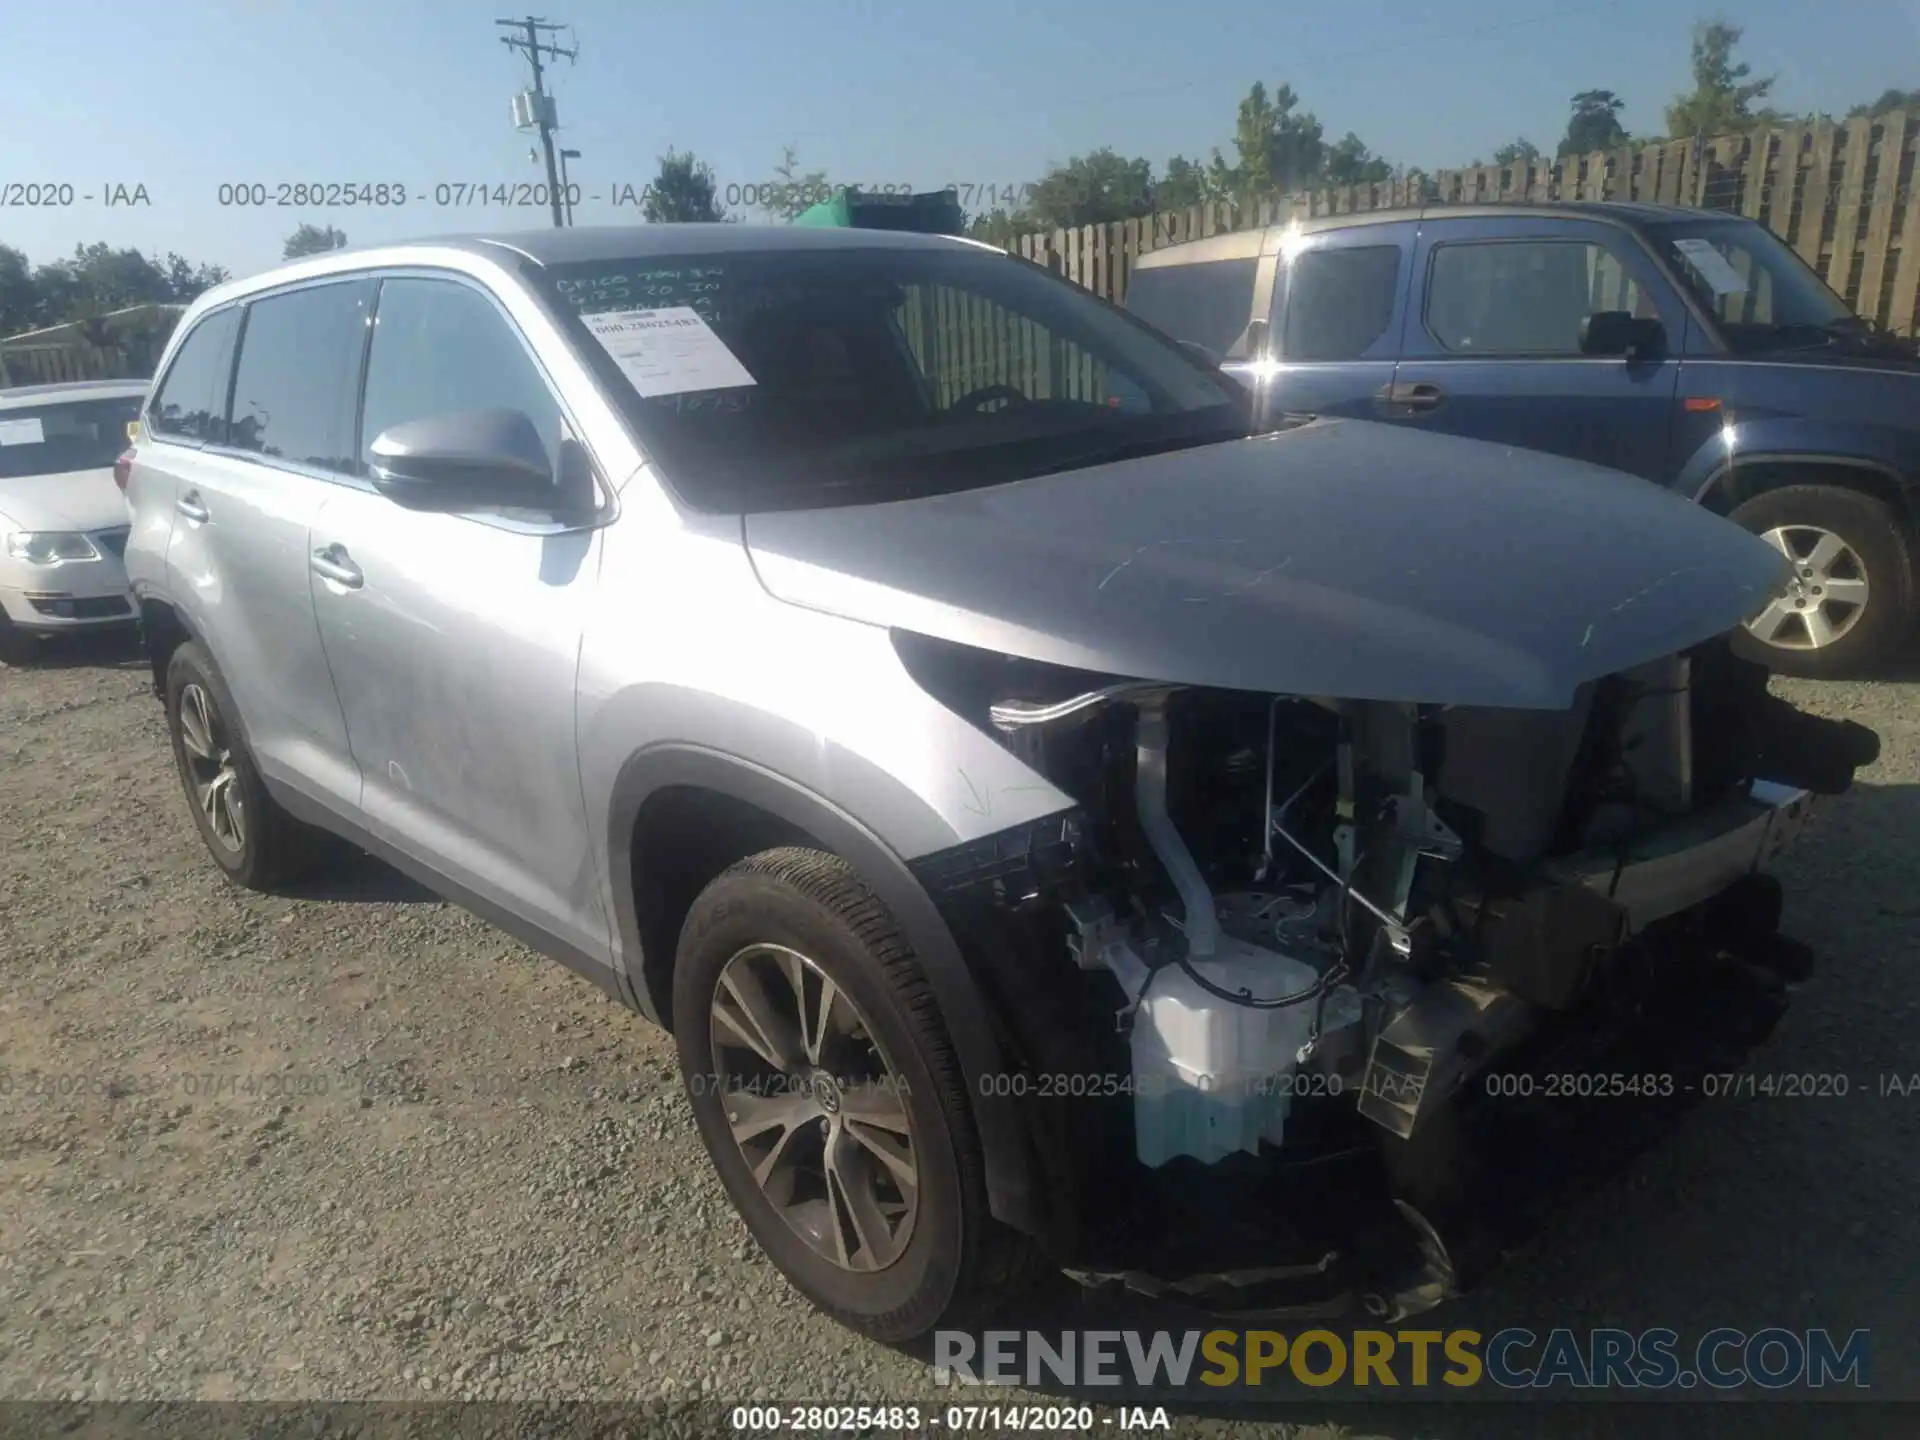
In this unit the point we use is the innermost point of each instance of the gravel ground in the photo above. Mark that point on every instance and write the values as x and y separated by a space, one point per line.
359 1145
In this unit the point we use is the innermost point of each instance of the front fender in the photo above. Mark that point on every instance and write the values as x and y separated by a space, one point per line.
1796 441
1009 1171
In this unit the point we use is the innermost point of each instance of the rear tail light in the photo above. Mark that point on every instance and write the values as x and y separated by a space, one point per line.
123 470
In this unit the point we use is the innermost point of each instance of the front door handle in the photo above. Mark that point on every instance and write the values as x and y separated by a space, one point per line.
1417 395
333 563
189 505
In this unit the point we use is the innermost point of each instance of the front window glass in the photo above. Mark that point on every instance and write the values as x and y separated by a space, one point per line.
1524 297
440 347
841 376
68 435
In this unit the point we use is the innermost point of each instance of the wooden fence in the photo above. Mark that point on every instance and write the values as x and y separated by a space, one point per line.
1842 195
59 363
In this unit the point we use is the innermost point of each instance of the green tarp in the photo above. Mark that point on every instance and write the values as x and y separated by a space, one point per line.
934 213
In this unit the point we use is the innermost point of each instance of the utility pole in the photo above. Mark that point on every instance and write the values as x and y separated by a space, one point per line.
566 185
534 47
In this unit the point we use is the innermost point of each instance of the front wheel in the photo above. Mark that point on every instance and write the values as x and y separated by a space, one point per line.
1849 602
829 1097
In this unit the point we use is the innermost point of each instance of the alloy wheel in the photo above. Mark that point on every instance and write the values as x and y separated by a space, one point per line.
210 768
817 1109
1825 597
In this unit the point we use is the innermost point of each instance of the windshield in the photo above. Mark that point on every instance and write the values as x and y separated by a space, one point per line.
65 435
1763 294
769 380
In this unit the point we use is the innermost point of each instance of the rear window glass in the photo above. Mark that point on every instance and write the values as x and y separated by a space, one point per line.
1339 301
1208 303
71 435
297 384
190 403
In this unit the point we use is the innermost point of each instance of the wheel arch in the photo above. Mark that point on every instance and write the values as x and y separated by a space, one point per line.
737 803
164 630
1738 480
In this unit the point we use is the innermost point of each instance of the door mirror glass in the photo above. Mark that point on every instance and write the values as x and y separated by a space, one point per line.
467 460
1619 332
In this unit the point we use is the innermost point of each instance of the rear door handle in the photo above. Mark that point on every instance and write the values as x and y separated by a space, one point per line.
189 505
1414 395
333 563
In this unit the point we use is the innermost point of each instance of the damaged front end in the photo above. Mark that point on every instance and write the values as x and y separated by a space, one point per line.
1317 1003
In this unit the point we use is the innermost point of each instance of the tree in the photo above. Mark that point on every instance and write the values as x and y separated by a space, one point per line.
1092 190
1594 124
999 226
1183 186
1279 149
792 191
1517 152
682 193
1889 100
313 240
1722 97
94 280
185 281
1349 162
18 298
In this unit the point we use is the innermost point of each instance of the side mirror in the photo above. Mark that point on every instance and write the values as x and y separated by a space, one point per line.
1210 358
467 460
1616 332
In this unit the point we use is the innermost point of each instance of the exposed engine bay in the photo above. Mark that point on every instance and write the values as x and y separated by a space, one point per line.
1295 948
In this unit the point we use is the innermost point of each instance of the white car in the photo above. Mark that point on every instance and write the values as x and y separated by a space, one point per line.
63 518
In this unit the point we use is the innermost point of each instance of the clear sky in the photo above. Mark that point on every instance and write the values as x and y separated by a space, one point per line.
182 96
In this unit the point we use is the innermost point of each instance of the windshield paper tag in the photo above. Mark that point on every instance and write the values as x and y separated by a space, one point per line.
667 352
22 432
1712 266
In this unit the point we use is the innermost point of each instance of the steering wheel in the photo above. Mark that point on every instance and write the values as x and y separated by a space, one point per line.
986 394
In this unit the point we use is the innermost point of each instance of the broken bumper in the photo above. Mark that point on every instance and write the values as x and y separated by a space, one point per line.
1694 859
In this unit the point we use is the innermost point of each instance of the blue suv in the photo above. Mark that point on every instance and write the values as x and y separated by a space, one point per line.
1691 348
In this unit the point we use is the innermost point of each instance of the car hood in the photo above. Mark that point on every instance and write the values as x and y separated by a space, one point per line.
69 500
1342 559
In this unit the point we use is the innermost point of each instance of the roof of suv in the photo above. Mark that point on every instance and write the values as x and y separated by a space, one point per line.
1244 243
589 243
21 397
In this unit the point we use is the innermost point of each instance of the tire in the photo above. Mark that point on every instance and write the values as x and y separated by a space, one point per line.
933 1260
18 647
272 847
1875 549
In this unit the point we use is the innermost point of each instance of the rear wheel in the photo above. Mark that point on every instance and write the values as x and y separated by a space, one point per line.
252 839
1849 604
829 1097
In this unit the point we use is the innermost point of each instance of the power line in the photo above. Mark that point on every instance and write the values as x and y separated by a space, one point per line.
534 47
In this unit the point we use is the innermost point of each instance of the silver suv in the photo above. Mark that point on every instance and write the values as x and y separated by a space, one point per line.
1054 821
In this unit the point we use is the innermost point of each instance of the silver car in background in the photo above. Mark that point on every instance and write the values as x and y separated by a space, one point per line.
1054 821
63 519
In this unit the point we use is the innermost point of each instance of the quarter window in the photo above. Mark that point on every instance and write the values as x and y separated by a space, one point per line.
1208 303
1525 297
439 348
190 403
1339 301
299 373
